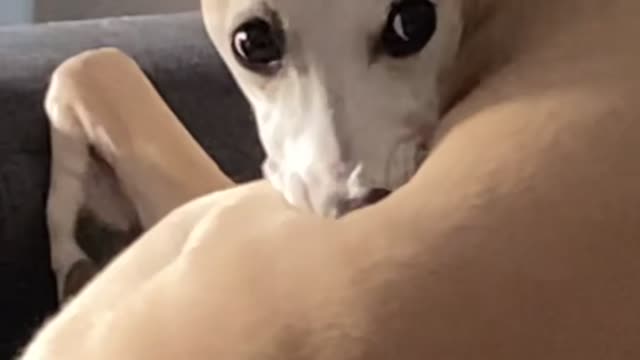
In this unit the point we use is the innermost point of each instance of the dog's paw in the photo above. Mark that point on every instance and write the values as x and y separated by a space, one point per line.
65 254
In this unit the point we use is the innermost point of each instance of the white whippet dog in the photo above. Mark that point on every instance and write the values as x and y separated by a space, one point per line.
516 239
343 107
340 111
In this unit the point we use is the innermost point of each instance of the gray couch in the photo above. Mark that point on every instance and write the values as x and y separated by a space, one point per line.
175 53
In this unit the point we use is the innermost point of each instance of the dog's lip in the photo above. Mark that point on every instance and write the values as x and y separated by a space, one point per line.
373 197
421 153
376 195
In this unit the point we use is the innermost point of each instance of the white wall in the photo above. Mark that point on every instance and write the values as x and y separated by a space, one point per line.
16 11
26 11
54 10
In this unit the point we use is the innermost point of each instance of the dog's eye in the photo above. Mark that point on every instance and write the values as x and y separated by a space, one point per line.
258 46
410 25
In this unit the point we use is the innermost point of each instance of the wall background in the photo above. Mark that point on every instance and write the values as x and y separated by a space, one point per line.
16 11
26 11
52 10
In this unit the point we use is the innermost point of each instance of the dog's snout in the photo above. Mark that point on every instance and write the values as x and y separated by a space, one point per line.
369 198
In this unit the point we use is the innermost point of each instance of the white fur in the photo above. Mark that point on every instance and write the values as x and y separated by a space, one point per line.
69 163
334 123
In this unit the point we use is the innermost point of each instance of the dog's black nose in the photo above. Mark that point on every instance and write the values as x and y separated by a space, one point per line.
369 198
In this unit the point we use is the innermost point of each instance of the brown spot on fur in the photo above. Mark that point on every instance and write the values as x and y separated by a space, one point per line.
102 241
79 275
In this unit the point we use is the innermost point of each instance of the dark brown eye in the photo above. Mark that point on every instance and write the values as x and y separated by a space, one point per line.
409 27
258 46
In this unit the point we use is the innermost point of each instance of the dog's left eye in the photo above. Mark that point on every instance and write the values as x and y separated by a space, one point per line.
410 25
258 46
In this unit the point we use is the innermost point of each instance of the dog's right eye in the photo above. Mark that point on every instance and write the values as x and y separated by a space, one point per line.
258 46
410 25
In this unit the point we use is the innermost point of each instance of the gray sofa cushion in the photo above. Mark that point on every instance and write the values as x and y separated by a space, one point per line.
174 52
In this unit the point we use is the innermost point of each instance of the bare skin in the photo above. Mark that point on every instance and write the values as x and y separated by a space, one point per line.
517 239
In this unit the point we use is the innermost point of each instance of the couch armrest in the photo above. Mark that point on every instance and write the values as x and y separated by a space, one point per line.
174 52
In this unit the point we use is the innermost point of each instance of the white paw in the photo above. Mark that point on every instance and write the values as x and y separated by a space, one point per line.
65 253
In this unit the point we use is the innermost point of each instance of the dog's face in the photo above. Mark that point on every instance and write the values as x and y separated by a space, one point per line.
343 90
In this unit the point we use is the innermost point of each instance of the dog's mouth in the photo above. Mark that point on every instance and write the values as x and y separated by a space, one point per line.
372 197
338 196
422 152
375 195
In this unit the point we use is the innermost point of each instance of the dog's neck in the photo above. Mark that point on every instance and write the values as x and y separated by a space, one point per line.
495 32
485 46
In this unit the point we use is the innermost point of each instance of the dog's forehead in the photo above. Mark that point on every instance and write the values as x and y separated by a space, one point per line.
312 15
330 12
